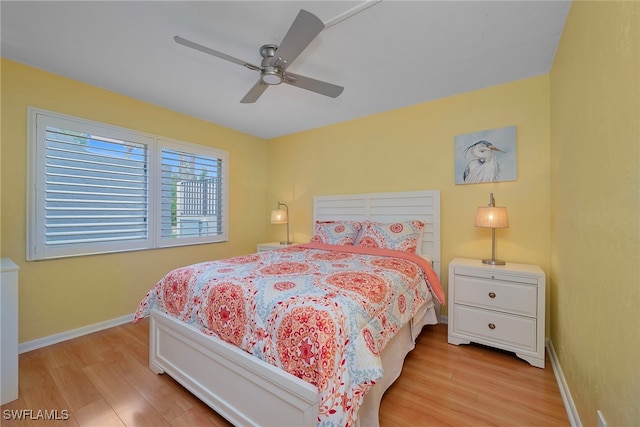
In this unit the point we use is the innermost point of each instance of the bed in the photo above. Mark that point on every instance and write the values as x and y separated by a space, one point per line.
247 390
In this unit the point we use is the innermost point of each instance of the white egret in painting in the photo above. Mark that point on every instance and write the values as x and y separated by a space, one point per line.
484 167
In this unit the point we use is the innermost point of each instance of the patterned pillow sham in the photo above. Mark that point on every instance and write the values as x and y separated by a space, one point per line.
401 236
336 232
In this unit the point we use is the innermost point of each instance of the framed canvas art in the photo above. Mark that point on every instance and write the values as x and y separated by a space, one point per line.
486 156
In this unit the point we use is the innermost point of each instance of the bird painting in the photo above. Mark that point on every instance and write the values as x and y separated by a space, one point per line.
484 165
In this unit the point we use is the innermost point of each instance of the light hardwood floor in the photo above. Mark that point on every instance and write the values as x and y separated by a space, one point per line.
102 380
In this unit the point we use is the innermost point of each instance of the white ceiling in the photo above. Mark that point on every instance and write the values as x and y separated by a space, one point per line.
389 55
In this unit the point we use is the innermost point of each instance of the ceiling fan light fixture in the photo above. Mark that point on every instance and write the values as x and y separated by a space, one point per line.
271 76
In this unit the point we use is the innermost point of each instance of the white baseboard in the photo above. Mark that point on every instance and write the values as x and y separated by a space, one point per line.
572 411
74 333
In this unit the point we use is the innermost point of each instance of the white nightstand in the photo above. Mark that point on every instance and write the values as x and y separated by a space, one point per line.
498 306
263 247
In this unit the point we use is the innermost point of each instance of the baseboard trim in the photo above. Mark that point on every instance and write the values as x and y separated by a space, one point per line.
572 411
74 333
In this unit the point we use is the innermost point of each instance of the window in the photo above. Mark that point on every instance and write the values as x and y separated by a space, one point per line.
95 188
191 194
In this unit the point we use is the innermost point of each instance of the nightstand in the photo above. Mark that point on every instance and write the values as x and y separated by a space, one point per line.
498 306
263 247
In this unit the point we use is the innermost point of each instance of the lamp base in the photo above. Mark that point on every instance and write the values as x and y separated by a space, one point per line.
493 262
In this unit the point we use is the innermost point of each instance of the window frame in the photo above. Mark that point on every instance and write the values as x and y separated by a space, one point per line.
37 248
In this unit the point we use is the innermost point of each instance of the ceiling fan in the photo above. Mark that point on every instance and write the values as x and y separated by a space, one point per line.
276 59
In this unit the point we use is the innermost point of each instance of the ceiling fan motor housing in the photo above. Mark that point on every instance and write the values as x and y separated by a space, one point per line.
270 74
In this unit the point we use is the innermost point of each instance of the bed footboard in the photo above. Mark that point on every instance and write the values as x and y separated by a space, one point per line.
241 388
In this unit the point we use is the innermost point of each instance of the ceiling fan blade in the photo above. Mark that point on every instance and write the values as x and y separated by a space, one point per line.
317 86
189 43
304 29
255 92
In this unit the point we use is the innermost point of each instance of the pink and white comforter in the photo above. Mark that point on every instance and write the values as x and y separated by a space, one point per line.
321 312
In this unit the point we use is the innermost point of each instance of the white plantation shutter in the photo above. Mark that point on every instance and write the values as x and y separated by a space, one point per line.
192 194
95 188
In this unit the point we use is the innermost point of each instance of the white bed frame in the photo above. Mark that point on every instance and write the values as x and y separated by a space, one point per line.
246 390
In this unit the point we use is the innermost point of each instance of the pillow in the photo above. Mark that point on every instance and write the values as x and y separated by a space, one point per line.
336 232
401 236
419 243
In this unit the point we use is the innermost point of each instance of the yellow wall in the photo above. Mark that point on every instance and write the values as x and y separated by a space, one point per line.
60 295
595 209
413 148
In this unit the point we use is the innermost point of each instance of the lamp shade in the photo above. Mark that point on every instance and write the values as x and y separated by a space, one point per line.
492 217
279 216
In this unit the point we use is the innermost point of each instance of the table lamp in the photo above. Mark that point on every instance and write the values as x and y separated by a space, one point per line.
492 217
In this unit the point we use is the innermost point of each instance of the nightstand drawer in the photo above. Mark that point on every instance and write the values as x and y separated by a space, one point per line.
497 275
497 295
496 327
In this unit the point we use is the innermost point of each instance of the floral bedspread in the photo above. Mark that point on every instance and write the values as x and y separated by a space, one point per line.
321 312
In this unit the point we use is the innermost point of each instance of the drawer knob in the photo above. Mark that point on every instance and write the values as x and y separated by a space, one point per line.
492 326
492 294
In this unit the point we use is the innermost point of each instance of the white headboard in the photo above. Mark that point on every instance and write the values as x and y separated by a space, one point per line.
388 207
